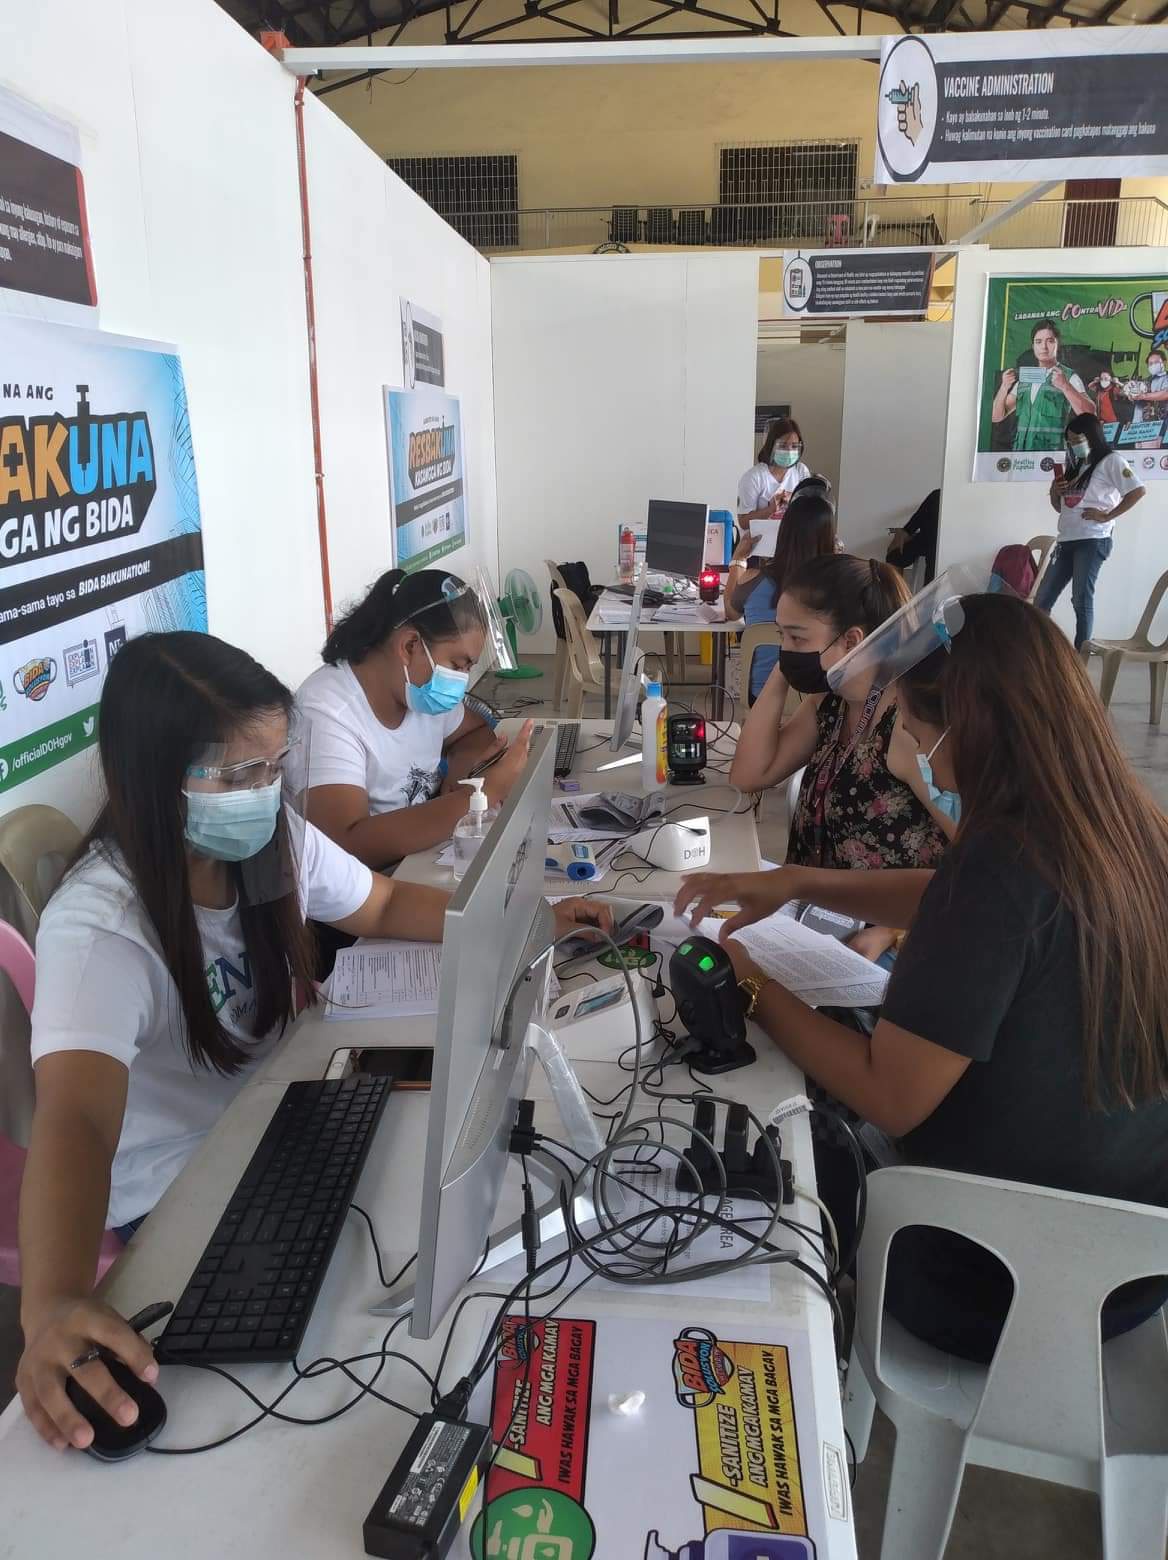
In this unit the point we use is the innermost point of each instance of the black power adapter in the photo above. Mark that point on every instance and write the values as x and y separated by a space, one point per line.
425 1500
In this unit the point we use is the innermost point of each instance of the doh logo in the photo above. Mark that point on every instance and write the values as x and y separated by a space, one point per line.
701 1370
433 452
35 678
67 482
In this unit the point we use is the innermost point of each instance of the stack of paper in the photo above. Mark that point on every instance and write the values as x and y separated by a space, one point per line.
766 535
385 980
821 970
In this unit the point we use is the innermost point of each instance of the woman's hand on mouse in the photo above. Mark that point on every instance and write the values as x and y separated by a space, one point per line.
64 1332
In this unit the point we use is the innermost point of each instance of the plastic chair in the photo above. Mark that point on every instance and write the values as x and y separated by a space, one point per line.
19 964
753 639
838 228
560 671
1041 548
1055 1403
585 668
1138 648
36 844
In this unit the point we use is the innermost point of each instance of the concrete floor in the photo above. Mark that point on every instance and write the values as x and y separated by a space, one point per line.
999 1517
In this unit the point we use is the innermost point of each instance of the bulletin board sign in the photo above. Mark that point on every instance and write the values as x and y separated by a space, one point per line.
722 1461
44 234
965 108
423 347
1055 347
427 491
100 530
855 283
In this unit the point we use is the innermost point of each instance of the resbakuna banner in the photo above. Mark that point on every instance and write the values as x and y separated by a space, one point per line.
1076 103
100 534
426 493
1058 346
836 283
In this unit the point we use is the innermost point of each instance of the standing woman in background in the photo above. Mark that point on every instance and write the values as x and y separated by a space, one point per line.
1097 487
765 489
807 530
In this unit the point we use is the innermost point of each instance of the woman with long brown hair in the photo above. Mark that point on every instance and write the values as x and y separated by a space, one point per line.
1024 1034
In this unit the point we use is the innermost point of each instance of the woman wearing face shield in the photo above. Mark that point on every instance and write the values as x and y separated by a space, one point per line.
862 802
166 964
389 728
1024 1033
765 490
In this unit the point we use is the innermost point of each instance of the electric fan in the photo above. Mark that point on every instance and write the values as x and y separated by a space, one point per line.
522 612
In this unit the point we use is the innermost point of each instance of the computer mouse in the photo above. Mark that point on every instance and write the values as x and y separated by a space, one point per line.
113 1442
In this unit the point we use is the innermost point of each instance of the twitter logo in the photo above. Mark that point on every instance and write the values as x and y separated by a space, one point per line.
87 725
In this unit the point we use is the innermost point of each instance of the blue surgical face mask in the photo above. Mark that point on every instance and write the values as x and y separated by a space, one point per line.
1079 450
232 825
784 457
444 692
947 802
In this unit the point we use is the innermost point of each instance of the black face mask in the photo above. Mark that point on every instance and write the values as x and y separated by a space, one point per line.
804 670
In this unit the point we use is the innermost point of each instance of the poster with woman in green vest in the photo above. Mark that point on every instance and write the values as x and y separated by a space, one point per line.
1056 347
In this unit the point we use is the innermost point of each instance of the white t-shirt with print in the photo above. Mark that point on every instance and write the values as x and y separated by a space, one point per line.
1111 480
102 986
348 745
759 485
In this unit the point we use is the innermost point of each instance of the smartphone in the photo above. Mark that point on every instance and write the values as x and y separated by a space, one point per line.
481 769
1058 470
410 1067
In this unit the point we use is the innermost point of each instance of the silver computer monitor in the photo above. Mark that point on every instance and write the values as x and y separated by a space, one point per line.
497 921
626 704
675 537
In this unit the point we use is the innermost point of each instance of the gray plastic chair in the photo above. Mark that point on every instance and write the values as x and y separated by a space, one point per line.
1054 1404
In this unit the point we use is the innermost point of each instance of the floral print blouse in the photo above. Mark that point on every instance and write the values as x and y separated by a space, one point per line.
871 819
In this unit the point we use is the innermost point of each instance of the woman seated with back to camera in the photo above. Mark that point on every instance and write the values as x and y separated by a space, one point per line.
390 735
1024 1034
862 803
807 530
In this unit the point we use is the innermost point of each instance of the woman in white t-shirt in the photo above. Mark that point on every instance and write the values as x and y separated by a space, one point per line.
390 735
166 965
765 490
1097 487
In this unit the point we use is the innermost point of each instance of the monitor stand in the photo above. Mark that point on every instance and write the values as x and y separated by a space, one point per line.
579 1129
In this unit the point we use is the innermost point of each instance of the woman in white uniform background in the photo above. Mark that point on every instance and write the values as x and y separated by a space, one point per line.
389 730
1097 487
166 966
765 490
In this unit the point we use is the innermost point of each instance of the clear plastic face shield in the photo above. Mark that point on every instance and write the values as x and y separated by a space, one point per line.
930 621
243 802
462 637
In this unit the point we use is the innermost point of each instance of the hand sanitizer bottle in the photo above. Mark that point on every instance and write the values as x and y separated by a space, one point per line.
471 830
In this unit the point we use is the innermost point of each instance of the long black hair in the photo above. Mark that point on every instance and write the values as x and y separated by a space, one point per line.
166 697
1091 428
392 601
807 530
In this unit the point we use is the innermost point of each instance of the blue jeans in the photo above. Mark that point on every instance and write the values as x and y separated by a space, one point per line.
1076 564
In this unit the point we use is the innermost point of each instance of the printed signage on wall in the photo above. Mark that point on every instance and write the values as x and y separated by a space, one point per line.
1058 346
963 107
44 238
423 347
100 532
426 489
842 282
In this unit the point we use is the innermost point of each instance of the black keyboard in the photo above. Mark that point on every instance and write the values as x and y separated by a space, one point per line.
253 1290
567 738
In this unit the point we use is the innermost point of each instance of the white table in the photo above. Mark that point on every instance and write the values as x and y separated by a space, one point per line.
733 836
608 630
284 1492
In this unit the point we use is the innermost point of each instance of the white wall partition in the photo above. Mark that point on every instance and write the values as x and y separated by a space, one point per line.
979 517
189 154
896 393
618 378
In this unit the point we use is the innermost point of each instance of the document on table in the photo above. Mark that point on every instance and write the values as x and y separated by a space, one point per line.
690 614
821 970
385 980
766 535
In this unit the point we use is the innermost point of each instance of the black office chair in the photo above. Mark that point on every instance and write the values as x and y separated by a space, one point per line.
624 225
659 225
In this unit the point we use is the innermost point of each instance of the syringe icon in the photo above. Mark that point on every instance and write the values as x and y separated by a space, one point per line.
900 96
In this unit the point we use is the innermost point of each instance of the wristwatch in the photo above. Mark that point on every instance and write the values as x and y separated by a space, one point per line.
752 987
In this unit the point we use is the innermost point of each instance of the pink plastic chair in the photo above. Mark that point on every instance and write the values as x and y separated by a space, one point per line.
19 963
838 228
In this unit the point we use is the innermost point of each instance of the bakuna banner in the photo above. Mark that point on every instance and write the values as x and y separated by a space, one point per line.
100 535
1058 346
1072 103
426 490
